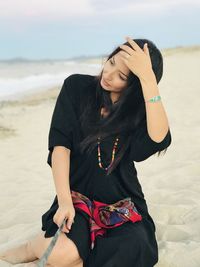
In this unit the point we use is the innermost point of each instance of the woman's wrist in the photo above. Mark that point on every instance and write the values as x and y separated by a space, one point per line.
64 199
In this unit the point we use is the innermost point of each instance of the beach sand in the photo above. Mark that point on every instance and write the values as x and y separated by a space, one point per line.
171 183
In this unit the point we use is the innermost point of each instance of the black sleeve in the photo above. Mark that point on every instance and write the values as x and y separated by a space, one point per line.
142 146
64 120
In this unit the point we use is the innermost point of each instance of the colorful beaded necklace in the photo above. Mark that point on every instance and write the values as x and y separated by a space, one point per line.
113 153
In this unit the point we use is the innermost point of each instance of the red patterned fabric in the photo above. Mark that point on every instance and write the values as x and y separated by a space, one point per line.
102 215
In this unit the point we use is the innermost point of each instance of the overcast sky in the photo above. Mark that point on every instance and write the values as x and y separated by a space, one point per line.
60 29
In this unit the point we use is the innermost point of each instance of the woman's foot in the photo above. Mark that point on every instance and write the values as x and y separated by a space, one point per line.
20 254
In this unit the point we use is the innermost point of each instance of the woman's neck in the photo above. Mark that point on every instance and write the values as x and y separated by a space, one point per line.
114 97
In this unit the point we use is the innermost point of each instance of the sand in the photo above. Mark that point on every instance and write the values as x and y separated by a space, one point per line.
171 183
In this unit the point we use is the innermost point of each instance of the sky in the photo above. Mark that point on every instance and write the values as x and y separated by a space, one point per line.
63 29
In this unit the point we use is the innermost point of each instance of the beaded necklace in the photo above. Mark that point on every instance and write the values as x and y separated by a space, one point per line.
113 153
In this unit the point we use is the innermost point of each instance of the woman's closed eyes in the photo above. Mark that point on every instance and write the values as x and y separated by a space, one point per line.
112 63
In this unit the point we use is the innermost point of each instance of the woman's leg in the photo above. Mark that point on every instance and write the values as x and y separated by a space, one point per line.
64 254
34 264
79 264
23 253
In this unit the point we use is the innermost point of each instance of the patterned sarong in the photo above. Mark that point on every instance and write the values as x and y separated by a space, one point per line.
101 217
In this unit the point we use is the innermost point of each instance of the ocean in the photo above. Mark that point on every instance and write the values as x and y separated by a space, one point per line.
22 77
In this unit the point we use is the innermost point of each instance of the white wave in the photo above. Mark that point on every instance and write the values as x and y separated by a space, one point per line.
10 87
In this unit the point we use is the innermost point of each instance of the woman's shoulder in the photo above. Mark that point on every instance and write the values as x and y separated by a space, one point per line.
81 76
78 80
77 87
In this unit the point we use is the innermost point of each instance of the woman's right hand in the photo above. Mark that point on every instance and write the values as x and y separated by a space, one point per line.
65 210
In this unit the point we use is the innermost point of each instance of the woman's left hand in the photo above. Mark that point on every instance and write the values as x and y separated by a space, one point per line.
136 59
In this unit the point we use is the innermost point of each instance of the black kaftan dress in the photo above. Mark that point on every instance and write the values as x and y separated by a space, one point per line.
128 245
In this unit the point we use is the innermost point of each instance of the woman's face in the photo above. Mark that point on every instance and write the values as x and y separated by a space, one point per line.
115 74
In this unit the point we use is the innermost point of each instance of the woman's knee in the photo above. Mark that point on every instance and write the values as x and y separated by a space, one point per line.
64 253
37 245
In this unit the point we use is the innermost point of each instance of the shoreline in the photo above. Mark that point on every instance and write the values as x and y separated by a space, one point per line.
31 93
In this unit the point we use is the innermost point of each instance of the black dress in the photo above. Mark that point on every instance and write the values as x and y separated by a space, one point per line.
128 245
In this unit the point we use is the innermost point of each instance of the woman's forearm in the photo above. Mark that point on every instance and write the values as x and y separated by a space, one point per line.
157 121
60 170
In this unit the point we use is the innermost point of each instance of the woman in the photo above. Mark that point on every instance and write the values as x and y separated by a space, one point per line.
121 107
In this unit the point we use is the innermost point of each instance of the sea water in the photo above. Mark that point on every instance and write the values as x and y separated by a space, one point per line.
21 77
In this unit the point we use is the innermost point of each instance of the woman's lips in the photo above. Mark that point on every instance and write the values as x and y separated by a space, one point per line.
107 84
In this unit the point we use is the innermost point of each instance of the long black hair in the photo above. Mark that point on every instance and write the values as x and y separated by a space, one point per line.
124 115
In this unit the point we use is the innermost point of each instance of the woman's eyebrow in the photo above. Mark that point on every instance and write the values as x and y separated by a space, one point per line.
120 70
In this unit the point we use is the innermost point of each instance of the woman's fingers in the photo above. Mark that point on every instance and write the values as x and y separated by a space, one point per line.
64 216
135 46
128 49
124 54
69 222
